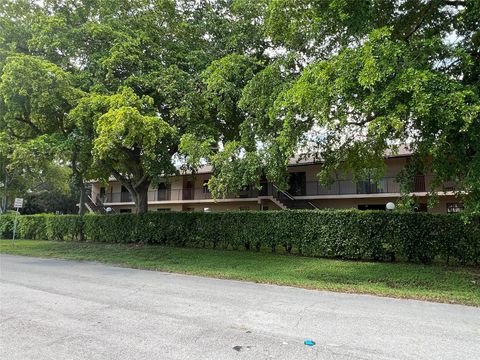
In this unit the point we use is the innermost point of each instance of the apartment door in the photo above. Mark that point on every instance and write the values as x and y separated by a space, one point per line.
297 184
264 186
125 195
188 190
163 193
419 185
102 194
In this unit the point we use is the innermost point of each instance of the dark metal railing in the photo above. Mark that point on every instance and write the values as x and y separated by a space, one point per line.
173 195
349 187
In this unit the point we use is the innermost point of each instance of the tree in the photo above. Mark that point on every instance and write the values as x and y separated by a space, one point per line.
245 85
132 142
158 49
36 97
27 167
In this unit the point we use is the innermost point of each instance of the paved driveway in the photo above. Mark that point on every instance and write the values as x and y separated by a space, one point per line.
53 309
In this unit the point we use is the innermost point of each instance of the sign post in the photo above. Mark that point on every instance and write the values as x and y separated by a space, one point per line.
17 204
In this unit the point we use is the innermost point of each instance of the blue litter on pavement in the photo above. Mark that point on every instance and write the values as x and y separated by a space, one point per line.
309 342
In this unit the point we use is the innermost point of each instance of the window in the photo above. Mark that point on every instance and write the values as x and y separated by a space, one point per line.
164 209
422 207
125 211
205 188
371 207
454 208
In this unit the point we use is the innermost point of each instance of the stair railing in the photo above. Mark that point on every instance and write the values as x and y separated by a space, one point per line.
284 193
288 196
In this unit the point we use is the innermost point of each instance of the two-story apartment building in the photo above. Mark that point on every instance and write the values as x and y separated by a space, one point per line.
190 193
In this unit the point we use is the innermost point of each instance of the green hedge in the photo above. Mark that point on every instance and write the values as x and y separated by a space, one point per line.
371 235
6 226
42 227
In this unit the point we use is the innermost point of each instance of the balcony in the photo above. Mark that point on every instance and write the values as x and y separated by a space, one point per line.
386 185
172 195
348 187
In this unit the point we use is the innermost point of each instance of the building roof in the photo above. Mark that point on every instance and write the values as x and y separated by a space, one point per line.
403 150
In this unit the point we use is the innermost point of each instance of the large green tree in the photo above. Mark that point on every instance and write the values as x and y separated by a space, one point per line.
128 80
350 80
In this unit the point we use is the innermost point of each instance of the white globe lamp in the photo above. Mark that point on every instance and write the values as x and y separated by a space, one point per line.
390 206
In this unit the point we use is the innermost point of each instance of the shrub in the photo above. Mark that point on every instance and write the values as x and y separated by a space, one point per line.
33 227
6 226
371 235
64 227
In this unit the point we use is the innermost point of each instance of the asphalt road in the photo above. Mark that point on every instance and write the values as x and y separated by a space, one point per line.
52 309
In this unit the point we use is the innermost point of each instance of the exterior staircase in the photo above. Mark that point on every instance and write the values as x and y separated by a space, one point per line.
286 201
95 206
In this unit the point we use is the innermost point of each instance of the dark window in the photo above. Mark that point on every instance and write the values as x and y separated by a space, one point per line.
102 196
163 191
370 186
188 192
422 207
454 208
206 190
371 207
297 184
419 185
264 186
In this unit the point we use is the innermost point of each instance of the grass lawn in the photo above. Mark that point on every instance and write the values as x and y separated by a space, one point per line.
435 283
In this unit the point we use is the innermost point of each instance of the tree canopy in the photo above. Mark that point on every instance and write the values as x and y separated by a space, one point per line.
131 88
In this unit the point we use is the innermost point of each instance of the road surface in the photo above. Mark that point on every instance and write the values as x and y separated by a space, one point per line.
53 309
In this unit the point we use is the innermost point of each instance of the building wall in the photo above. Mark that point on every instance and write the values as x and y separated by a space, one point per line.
198 203
393 167
353 203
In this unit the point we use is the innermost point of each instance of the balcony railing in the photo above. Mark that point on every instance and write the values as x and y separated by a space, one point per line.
173 195
386 185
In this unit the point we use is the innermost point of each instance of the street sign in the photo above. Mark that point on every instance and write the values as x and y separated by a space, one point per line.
18 203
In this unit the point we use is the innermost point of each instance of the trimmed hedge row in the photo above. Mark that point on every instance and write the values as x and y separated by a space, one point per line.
43 227
373 235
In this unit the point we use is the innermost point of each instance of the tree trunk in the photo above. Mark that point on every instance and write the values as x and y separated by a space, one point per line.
4 201
137 187
140 197
81 201
79 182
